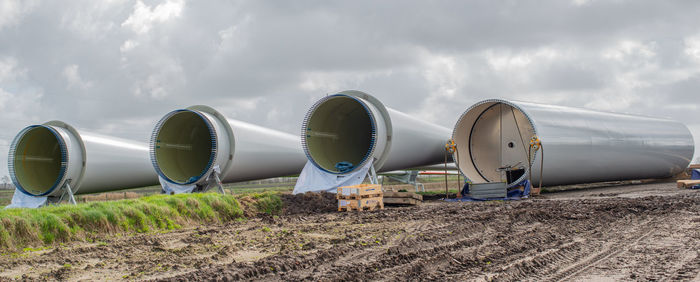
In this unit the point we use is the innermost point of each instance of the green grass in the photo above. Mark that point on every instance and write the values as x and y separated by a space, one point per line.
20 228
438 178
5 197
436 192
268 203
248 190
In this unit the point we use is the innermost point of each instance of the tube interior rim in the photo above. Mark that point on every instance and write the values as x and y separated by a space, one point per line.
38 159
183 147
493 135
339 128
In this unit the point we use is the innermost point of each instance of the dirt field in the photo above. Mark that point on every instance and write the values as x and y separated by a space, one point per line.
633 232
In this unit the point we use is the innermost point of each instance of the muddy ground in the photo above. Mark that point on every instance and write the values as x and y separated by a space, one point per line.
632 232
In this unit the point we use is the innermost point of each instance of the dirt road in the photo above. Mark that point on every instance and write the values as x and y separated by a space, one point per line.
635 232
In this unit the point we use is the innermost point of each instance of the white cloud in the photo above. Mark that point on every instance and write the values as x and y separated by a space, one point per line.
92 20
320 82
581 2
444 75
507 60
164 77
9 71
445 78
233 37
692 47
267 61
128 46
72 75
5 98
144 17
631 50
12 11
325 82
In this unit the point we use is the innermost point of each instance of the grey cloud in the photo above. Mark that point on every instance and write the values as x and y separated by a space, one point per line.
104 67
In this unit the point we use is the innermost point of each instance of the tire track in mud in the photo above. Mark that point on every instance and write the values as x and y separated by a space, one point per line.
533 246
310 266
567 255
520 261
537 239
414 253
615 249
391 255
373 254
559 261
671 254
413 257
528 240
534 263
689 270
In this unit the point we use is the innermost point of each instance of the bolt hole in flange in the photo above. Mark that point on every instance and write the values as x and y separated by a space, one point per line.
511 145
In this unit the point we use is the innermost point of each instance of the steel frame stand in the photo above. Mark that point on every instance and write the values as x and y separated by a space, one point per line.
372 174
67 190
217 181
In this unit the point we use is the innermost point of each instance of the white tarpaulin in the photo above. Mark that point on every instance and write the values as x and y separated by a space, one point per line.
21 200
172 188
313 179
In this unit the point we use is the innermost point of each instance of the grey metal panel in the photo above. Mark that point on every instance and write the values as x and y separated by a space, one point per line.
488 190
582 146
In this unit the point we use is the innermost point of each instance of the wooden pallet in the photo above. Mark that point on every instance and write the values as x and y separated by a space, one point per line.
694 166
362 191
402 198
389 194
360 205
687 183
358 197
360 209
401 201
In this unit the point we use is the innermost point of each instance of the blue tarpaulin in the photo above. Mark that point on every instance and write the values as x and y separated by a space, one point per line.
695 175
344 167
515 194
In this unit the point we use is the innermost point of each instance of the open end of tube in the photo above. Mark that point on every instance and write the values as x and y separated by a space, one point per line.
493 141
339 134
38 161
184 147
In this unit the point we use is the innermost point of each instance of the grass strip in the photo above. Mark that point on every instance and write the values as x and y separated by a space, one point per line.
21 227
436 192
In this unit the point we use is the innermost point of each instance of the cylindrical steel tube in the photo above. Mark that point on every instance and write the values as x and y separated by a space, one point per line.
581 145
44 157
351 128
188 144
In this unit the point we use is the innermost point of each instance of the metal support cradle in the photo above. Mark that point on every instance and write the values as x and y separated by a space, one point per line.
372 174
68 191
214 177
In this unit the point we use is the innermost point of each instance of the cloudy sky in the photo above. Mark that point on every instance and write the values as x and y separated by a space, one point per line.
115 67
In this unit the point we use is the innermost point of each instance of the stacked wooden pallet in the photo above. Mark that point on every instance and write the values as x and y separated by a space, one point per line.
360 197
402 198
687 183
